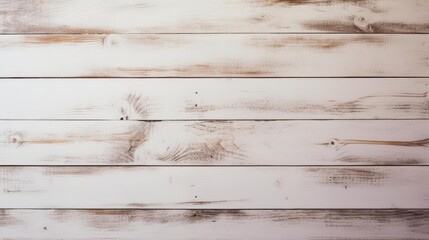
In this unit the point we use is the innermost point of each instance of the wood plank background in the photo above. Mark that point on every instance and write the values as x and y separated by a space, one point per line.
214 119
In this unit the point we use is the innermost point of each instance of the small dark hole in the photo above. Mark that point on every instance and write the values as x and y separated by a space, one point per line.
196 92
332 143
45 228
196 105
196 196
122 118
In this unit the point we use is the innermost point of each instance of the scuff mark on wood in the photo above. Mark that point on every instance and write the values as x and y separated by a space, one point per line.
348 177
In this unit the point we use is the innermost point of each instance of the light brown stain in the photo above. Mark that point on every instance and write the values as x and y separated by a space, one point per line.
348 177
192 70
74 170
62 39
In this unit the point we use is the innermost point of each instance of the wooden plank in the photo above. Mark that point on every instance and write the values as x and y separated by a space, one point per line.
219 55
206 16
214 143
214 187
187 99
214 224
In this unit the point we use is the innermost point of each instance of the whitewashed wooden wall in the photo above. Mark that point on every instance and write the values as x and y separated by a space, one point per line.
214 119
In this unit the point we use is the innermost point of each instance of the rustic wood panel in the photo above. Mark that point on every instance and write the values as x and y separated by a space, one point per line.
214 224
198 16
219 55
214 143
186 99
214 187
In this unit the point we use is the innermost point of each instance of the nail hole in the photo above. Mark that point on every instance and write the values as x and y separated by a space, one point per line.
196 105
45 228
122 118
196 196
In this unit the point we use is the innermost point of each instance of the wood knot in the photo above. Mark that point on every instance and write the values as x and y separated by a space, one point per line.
110 40
16 139
362 24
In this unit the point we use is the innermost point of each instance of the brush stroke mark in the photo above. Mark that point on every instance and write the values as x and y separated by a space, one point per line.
348 177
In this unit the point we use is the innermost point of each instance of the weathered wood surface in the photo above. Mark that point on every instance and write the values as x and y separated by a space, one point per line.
214 224
218 55
214 187
208 16
187 99
214 143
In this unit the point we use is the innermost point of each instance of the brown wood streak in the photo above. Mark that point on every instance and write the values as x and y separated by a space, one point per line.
312 42
348 177
339 143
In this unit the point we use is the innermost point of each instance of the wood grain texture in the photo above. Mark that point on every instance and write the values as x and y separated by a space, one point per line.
214 143
214 224
219 55
206 16
187 99
214 187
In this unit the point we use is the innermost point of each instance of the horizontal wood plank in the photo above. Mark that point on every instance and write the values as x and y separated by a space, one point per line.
219 55
214 142
207 16
187 99
214 224
214 187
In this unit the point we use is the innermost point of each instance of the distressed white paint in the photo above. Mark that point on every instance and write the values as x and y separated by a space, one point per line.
208 16
214 224
214 187
185 99
218 55
214 143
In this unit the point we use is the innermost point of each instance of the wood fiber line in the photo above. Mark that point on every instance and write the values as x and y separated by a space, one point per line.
223 16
